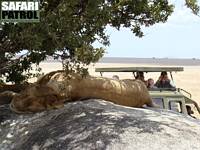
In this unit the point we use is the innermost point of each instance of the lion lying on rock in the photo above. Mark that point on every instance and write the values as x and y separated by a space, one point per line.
55 88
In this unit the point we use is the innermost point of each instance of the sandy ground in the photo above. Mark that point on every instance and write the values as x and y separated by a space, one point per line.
188 79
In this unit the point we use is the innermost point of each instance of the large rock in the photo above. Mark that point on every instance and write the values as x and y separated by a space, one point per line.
97 124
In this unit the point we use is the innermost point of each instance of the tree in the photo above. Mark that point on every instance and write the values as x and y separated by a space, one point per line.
67 30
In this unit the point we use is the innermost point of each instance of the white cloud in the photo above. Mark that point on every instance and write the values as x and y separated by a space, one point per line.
182 16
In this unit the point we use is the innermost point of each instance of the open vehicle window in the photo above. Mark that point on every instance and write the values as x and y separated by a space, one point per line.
158 101
175 106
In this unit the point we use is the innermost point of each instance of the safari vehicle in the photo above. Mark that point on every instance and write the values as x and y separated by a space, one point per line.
175 99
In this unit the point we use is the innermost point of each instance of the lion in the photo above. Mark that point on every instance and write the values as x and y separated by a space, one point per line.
56 88
36 98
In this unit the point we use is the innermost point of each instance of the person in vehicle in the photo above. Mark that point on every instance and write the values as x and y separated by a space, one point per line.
163 81
116 77
140 76
150 84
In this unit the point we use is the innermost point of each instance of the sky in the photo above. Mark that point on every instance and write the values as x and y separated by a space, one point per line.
178 38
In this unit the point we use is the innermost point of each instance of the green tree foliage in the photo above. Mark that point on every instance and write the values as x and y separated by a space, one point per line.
192 4
68 28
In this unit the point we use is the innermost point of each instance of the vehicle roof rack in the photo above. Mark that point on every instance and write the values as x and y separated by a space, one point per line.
142 69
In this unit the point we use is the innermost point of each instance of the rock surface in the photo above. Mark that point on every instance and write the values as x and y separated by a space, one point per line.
97 124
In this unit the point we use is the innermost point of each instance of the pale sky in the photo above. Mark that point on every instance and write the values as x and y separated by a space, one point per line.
178 38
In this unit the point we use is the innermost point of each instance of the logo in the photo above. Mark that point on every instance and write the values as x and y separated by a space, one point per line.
20 11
